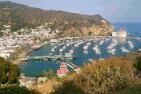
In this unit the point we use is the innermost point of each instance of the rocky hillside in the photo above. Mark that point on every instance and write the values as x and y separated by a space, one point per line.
72 24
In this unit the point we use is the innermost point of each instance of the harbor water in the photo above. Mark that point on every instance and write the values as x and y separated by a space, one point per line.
84 50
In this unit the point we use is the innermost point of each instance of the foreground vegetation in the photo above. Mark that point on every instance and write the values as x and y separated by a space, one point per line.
116 75
16 90
110 76
8 72
9 84
132 89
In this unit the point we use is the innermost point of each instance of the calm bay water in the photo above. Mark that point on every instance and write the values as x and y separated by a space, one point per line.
35 68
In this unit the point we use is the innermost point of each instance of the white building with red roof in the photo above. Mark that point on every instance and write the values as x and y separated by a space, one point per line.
63 70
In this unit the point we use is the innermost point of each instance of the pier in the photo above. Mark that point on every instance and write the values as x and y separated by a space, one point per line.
71 65
49 57
54 57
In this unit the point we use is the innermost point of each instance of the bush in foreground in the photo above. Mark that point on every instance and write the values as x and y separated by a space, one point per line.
138 64
16 90
9 72
100 78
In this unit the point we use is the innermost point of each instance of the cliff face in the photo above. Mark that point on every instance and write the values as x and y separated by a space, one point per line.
71 24
103 29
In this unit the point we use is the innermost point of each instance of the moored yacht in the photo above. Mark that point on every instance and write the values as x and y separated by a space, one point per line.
130 44
71 51
124 50
85 47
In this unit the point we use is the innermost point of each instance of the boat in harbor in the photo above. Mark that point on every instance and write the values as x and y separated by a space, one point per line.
101 42
60 50
64 47
113 44
130 44
88 44
71 51
85 52
112 51
68 44
85 47
52 50
123 49
96 49
76 45
139 49
98 52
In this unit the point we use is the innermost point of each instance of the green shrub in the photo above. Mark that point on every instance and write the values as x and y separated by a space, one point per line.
49 74
16 90
101 77
9 72
105 76
68 87
138 64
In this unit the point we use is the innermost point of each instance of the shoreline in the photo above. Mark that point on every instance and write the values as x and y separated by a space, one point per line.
27 52
40 45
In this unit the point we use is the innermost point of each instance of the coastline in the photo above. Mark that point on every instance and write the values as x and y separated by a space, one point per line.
26 52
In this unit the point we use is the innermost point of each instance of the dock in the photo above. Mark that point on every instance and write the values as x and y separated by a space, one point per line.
49 57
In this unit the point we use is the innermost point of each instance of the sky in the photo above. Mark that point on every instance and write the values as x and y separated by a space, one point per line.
112 10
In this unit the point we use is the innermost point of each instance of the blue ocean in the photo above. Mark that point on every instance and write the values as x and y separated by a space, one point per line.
85 50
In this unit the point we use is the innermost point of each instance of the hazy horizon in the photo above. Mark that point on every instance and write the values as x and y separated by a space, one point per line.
126 11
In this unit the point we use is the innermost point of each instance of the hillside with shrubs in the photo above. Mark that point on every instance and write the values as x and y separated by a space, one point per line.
22 16
116 75
9 84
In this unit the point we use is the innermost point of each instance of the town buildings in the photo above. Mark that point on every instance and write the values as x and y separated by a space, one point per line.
11 41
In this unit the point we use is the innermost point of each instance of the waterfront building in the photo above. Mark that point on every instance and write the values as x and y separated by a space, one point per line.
4 55
63 70
53 40
120 33
27 81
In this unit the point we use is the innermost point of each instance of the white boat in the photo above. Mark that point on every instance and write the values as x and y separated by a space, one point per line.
124 50
112 45
76 45
85 47
68 44
90 60
139 49
112 51
95 47
97 50
52 50
61 50
101 42
85 52
64 47
71 51
88 44
130 44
